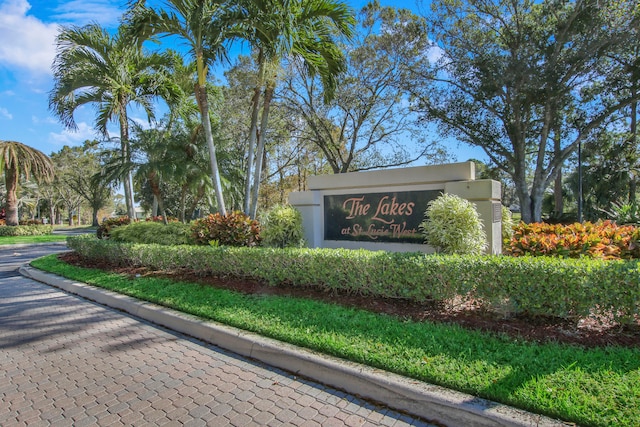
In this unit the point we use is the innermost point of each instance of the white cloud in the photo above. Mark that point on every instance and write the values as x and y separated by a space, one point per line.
25 42
81 12
71 138
5 113
28 43
47 120
143 123
435 54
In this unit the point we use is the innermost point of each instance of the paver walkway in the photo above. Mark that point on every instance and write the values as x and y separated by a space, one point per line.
66 361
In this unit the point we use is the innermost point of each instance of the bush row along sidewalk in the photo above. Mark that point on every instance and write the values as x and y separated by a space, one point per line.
543 286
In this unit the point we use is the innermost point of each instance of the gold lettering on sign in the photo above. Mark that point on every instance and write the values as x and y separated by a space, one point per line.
386 207
356 208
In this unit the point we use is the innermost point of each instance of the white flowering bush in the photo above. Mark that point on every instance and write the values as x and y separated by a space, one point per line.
452 226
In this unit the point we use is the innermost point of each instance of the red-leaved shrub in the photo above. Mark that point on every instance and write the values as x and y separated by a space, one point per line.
109 224
603 239
159 218
233 229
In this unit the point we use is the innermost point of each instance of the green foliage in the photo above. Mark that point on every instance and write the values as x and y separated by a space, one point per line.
160 218
104 230
507 225
233 229
452 226
31 222
537 286
26 230
282 227
625 213
487 49
610 160
174 233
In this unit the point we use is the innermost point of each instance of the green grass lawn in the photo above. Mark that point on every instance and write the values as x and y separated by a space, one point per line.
591 387
14 240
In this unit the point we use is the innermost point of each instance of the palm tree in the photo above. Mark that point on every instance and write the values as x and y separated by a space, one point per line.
201 26
111 72
305 30
158 164
16 160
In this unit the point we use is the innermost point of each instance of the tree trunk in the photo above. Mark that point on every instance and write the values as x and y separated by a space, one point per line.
525 204
206 124
196 199
634 138
557 195
268 96
253 134
52 213
154 183
126 156
94 217
183 203
558 201
11 208
203 105
537 195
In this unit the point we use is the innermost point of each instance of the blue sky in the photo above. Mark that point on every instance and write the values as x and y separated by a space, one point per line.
27 32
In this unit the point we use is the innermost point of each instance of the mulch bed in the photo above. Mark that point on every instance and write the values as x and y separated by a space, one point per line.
586 332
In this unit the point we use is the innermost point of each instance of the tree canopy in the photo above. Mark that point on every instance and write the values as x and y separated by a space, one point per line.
514 75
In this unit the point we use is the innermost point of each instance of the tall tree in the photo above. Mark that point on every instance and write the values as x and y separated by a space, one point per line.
112 73
286 153
278 29
79 177
508 69
367 124
201 26
609 164
18 160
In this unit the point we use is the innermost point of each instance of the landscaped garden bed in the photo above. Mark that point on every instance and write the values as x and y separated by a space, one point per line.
586 375
557 334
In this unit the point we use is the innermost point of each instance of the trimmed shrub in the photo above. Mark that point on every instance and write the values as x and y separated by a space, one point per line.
233 229
507 227
159 218
452 226
537 286
26 230
603 239
282 227
174 233
30 222
104 230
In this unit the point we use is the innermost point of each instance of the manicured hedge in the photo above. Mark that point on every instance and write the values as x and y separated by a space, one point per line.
173 233
541 286
26 230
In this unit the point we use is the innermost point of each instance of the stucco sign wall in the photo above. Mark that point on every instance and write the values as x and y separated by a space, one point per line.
382 210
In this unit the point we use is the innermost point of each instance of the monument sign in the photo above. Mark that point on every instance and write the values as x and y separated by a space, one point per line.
383 209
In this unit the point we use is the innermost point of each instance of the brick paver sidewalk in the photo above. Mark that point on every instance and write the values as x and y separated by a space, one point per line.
66 361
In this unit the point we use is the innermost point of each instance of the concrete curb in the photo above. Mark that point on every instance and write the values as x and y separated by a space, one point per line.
430 402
